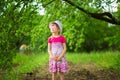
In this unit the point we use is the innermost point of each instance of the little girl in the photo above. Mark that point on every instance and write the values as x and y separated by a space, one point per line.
56 50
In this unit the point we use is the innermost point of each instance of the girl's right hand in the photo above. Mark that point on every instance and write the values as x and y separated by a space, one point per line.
54 57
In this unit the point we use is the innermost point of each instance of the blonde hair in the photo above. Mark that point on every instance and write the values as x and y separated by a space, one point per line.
57 26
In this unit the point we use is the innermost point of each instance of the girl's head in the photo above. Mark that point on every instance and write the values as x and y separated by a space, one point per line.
55 27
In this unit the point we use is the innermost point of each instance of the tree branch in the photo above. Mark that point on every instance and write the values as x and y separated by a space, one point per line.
106 16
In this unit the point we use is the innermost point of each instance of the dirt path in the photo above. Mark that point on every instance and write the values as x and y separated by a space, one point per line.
76 72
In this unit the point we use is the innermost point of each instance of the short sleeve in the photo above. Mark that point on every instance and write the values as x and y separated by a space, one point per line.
49 40
63 39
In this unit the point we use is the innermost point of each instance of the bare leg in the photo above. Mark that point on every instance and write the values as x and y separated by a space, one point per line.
61 75
54 75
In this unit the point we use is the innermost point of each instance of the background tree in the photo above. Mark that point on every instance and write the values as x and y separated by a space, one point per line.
17 19
21 22
83 32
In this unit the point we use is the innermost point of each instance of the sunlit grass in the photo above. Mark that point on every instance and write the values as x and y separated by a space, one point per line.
28 63
101 59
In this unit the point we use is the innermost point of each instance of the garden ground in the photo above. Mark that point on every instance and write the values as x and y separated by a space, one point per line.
76 72
82 66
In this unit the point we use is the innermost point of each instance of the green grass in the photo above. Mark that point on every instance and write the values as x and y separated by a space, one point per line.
100 59
27 63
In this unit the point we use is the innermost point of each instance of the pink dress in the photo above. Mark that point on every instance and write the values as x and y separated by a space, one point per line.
56 49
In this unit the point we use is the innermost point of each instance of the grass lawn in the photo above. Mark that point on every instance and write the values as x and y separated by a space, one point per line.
101 59
27 63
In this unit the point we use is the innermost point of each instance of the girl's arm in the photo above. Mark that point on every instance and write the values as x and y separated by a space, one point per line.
49 50
50 53
63 52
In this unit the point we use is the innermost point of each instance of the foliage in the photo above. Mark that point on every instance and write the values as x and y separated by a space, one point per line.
20 23
82 32
17 18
